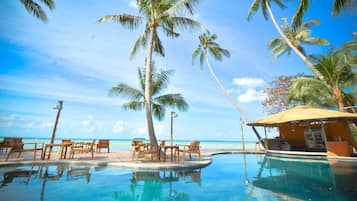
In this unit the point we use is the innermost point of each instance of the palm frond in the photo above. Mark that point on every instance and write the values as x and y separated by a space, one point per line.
201 59
187 23
160 81
299 13
127 20
49 3
195 53
158 47
127 91
158 111
338 5
140 42
134 105
173 101
253 8
35 9
188 5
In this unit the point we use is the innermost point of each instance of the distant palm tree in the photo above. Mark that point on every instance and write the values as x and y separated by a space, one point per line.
339 77
163 14
303 6
265 7
208 45
35 9
159 102
298 37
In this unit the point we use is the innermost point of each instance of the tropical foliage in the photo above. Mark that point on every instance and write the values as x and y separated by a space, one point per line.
207 45
36 10
160 102
298 36
157 15
339 72
303 6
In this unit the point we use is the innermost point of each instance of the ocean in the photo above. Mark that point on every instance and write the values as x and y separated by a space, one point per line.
125 144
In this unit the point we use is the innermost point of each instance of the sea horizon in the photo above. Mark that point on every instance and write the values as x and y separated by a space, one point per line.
118 144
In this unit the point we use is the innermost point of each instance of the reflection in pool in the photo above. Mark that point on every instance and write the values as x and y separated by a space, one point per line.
229 177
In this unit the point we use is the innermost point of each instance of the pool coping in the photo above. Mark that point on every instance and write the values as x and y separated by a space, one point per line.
136 165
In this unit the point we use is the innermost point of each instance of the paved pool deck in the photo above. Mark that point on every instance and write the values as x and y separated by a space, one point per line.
121 159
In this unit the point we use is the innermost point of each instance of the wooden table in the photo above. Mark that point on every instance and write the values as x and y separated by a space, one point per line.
172 148
63 148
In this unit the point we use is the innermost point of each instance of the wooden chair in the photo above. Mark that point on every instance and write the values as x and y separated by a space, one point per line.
83 147
141 149
192 148
103 144
7 143
19 147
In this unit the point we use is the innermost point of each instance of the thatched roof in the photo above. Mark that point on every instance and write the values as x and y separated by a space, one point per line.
302 114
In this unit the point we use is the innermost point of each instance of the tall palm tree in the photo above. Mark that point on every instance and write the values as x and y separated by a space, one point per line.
159 103
208 45
35 9
298 37
156 14
303 6
265 6
339 75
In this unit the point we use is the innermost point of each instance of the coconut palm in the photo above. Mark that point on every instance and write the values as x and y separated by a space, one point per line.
35 9
265 7
303 6
339 76
157 15
208 45
298 37
159 103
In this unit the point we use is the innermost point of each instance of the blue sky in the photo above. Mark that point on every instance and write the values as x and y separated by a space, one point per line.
76 59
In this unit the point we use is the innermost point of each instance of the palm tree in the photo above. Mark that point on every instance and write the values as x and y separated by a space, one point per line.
35 9
303 6
156 14
265 6
208 45
339 76
159 102
298 36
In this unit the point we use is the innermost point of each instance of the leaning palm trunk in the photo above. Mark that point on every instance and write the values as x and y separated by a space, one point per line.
302 56
234 102
150 123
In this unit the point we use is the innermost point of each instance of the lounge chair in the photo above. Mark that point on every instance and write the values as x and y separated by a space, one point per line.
18 146
83 147
103 144
192 148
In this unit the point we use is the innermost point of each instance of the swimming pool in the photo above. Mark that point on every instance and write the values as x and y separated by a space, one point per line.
229 177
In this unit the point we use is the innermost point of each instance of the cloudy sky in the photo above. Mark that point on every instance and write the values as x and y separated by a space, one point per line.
75 59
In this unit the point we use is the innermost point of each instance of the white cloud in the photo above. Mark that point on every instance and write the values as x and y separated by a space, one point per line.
118 126
251 95
248 82
133 4
89 124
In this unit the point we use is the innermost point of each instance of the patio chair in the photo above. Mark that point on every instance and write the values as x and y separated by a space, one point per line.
7 143
103 144
192 148
141 149
83 147
19 147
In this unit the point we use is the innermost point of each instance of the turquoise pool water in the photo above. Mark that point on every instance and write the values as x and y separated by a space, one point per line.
229 177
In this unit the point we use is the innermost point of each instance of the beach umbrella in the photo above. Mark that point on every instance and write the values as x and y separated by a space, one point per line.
173 115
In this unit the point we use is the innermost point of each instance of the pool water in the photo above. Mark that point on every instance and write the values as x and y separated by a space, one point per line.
229 177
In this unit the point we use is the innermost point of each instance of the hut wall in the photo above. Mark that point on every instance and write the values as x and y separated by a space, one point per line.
294 135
